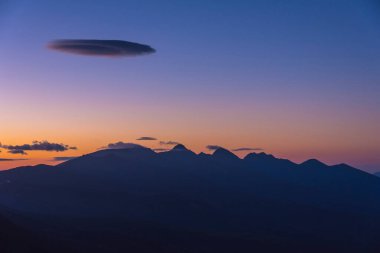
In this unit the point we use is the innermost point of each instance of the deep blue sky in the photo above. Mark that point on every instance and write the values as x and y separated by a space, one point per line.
298 78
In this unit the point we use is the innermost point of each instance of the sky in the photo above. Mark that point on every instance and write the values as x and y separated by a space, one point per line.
298 79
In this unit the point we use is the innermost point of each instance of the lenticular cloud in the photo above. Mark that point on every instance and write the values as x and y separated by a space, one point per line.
110 48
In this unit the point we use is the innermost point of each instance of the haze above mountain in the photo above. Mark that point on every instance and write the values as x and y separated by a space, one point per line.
134 199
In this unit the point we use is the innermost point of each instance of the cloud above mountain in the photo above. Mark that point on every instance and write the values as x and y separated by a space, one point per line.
247 149
10 159
17 152
169 143
122 145
37 146
213 147
92 47
146 138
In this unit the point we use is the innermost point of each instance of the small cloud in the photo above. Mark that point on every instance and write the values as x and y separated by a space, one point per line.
63 158
123 145
247 149
213 147
10 159
17 152
169 143
146 138
161 149
110 48
36 145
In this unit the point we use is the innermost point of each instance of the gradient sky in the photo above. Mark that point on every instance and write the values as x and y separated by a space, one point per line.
300 79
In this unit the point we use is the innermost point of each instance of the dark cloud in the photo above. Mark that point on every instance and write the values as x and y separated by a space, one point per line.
8 159
169 143
17 152
123 145
247 149
63 158
213 147
161 149
37 145
145 138
110 48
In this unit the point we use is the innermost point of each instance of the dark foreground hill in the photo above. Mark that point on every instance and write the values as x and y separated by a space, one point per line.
14 239
136 200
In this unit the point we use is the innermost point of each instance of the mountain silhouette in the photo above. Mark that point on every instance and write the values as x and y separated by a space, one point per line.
137 200
313 163
224 154
179 147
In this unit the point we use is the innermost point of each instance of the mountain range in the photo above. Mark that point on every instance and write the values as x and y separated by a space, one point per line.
137 200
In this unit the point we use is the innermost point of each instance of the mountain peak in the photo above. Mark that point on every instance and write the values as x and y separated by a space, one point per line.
224 153
313 163
261 155
203 155
179 151
179 147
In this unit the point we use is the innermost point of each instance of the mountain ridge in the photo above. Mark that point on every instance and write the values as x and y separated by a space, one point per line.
220 201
